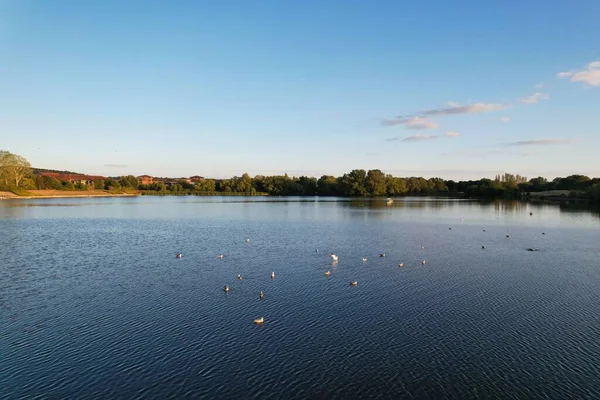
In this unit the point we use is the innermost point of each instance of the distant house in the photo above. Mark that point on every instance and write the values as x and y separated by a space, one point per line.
186 180
196 178
87 180
146 180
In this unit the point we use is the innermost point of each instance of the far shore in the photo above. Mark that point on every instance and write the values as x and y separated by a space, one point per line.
58 194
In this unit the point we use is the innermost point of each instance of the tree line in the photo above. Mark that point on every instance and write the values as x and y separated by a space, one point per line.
16 172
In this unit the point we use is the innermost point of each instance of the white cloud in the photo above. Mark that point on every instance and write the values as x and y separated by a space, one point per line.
539 142
539 85
417 123
506 120
590 76
452 134
419 138
534 98
455 108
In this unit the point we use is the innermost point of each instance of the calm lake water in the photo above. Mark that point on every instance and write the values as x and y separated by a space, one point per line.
94 304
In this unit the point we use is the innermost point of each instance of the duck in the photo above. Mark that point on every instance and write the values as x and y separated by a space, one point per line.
483 247
247 240
353 283
259 321
543 233
226 288
334 257
423 262
382 255
364 259
260 295
401 265
532 249
179 255
220 256
507 236
239 277
327 273
484 230
422 247
530 213
273 275
449 229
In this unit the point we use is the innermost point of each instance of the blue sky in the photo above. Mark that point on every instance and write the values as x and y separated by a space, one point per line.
219 88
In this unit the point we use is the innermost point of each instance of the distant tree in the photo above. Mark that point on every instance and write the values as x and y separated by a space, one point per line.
206 185
129 181
395 186
13 168
327 186
353 183
375 183
112 184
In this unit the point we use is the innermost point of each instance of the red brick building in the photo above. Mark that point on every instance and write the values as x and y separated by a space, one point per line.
146 179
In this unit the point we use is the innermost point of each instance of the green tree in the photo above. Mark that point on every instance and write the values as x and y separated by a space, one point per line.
353 183
207 185
375 183
13 168
395 186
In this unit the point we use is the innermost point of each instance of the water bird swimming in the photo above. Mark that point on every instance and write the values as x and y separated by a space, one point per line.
353 283
483 247
484 230
449 229
220 256
327 273
382 255
532 249
259 321
423 262
226 288
422 247
530 213
543 233
273 275
334 257
364 259
401 265
239 277
179 255
247 240
507 235
260 295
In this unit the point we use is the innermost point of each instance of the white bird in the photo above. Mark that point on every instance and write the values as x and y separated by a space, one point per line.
260 294
226 288
220 256
334 257
422 247
179 255
423 262
259 321
382 255
328 273
247 240
239 277
353 283
364 259
273 275
401 265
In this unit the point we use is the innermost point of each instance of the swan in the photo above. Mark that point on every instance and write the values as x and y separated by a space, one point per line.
273 275
226 288
364 259
401 265
353 283
328 273
247 240
423 262
422 247
334 257
259 321
220 256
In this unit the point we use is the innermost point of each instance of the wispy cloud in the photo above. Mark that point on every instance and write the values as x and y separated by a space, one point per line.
452 134
534 98
540 142
590 75
115 165
419 138
506 120
372 154
539 85
417 123
454 108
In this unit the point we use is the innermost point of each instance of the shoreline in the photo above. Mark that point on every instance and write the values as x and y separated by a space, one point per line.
12 196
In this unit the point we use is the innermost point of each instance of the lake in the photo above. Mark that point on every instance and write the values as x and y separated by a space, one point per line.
94 303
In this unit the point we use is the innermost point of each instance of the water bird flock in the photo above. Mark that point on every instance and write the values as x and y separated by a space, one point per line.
260 321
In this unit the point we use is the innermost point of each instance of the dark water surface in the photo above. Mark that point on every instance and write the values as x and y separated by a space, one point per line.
93 303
